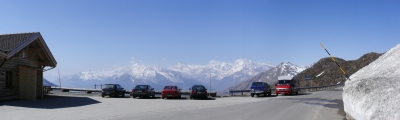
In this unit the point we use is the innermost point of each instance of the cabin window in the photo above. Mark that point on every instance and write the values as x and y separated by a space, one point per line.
8 79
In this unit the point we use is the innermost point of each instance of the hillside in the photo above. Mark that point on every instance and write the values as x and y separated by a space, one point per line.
48 83
331 74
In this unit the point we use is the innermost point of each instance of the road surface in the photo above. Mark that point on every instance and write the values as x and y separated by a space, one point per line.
326 105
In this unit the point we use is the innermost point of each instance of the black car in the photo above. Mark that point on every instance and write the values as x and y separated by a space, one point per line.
112 90
198 91
143 91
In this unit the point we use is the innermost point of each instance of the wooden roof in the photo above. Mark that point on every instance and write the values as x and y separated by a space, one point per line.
11 44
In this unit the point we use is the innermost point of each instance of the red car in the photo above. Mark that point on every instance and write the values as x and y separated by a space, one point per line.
171 92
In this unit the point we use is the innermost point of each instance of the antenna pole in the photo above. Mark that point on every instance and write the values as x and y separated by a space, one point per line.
210 86
335 61
59 77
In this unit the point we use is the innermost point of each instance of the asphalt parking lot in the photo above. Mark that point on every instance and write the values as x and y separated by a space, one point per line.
78 105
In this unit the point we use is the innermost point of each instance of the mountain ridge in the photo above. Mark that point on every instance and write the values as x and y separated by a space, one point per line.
270 76
221 74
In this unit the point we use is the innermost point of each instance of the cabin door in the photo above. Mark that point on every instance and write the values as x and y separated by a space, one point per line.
27 83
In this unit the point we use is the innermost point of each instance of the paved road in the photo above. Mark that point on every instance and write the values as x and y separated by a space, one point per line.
310 106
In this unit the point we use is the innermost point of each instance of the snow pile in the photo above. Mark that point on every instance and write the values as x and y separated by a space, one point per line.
374 91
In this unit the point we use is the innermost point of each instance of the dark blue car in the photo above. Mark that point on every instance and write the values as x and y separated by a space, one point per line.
258 88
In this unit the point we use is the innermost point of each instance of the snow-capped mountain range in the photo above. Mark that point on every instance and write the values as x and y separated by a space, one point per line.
271 76
222 75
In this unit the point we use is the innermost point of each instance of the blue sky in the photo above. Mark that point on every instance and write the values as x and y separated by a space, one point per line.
99 35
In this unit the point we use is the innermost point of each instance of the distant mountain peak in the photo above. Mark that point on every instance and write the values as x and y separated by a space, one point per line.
271 76
222 74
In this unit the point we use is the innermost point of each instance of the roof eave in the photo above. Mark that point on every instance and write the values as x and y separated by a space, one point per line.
53 62
15 50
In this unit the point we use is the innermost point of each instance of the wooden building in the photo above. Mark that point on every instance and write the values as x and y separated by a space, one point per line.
23 57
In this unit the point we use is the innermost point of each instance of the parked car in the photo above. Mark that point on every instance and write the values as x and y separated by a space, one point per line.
198 91
112 90
258 88
143 91
171 92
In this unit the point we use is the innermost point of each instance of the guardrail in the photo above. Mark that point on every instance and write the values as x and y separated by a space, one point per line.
317 88
184 92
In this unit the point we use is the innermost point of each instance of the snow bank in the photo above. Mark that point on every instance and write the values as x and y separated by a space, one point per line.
374 91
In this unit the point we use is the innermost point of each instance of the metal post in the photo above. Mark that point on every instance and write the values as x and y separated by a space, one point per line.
101 86
335 61
94 86
209 93
59 77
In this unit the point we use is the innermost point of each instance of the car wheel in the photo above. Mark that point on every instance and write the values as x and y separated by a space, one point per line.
252 95
162 97
102 95
123 94
269 93
180 97
297 92
133 97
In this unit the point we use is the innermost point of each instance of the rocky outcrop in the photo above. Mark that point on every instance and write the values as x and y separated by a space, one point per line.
326 72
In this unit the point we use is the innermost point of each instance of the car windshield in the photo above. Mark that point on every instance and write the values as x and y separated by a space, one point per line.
141 87
109 86
284 81
170 87
199 88
256 83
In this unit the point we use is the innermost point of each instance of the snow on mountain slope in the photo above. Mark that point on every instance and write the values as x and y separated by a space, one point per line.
129 77
373 91
222 74
270 76
219 70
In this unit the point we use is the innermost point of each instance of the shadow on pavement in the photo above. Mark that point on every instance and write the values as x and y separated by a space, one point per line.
149 98
52 102
300 94
262 96
182 98
210 98
334 90
337 104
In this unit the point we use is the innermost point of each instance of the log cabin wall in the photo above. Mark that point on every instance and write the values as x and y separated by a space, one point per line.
23 58
24 55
